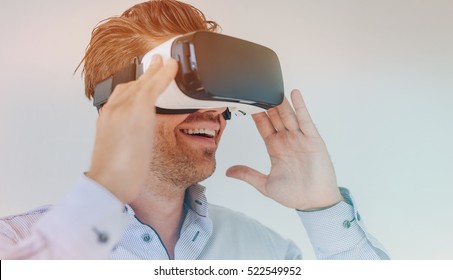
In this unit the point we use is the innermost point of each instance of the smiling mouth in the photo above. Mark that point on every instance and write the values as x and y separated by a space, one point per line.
202 132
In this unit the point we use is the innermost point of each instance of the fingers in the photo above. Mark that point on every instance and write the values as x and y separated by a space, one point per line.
264 125
148 86
157 77
284 117
287 115
276 120
248 175
271 122
303 116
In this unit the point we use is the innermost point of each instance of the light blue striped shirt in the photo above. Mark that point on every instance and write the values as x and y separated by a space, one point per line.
90 223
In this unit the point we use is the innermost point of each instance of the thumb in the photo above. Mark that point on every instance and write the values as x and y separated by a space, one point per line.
249 175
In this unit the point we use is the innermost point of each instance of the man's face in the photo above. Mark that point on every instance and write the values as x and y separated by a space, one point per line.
185 146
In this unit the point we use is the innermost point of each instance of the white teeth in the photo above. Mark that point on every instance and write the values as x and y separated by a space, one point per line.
209 132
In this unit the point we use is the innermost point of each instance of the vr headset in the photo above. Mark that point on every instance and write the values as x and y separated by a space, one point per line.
214 71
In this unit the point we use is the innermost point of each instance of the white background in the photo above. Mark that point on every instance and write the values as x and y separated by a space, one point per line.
376 75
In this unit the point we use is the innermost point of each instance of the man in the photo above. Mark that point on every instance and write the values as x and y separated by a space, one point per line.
140 198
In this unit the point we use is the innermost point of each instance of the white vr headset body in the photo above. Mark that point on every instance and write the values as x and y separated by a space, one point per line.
174 99
215 71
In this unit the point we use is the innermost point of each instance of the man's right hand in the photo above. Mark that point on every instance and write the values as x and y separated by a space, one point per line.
125 131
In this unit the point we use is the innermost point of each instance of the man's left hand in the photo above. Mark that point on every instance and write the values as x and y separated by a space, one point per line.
302 175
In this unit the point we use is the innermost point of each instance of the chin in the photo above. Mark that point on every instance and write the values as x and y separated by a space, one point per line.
206 168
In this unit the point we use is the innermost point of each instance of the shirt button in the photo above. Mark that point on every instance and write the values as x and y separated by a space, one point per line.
346 224
103 237
146 237
358 216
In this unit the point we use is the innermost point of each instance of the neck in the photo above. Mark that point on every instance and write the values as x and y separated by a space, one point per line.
163 211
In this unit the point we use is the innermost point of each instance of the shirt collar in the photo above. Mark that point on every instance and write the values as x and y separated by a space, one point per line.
195 199
196 229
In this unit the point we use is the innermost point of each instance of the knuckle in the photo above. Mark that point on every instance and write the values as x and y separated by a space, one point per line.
121 87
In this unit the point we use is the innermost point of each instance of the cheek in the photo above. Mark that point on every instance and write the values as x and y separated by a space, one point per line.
170 119
166 125
169 122
164 135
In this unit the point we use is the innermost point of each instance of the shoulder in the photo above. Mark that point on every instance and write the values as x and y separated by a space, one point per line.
225 218
226 215
240 231
237 236
19 226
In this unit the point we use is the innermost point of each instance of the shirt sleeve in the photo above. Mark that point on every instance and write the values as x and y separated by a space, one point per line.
86 224
338 232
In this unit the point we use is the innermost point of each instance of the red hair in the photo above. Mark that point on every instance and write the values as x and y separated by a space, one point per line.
116 41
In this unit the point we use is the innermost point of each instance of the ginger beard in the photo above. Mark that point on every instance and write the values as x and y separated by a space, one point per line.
178 161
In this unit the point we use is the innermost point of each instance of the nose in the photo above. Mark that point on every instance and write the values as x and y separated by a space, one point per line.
216 111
